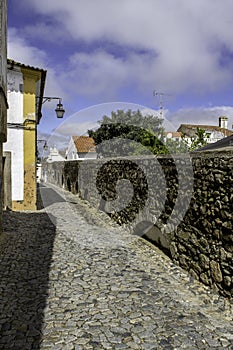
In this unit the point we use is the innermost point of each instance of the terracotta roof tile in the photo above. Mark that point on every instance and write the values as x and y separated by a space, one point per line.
173 133
84 144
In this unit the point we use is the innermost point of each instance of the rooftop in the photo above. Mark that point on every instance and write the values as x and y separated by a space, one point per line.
13 63
172 134
225 143
226 132
84 144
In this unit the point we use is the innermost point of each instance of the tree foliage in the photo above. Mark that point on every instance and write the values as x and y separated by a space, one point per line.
197 141
128 133
175 146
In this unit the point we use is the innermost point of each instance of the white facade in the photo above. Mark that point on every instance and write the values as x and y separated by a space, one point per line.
212 133
223 122
15 142
72 153
172 135
214 136
54 156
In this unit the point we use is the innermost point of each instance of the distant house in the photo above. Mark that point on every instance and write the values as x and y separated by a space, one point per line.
172 135
54 156
81 147
224 144
213 133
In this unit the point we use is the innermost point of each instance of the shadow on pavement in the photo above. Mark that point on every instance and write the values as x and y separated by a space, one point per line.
47 196
26 248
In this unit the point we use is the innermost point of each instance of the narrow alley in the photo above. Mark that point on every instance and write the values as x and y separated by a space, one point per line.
70 279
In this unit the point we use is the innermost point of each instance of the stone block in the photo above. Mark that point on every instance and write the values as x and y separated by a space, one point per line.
216 272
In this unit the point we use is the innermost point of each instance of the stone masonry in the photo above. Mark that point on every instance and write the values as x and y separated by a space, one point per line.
187 200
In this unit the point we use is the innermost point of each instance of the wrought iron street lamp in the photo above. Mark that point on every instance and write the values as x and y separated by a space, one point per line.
59 110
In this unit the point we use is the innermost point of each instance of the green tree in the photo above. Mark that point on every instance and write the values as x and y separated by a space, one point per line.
128 133
197 141
175 146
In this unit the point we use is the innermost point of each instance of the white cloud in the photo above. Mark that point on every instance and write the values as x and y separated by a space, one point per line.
71 128
96 74
175 46
207 116
202 116
21 51
182 42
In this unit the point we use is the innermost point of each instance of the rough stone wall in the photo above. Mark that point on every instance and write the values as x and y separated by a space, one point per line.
203 243
183 204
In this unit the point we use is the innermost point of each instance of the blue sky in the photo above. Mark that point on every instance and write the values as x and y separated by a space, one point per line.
102 51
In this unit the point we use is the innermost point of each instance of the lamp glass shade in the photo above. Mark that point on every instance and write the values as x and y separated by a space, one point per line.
59 110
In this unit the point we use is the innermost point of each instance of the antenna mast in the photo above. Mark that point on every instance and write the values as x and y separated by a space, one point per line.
160 94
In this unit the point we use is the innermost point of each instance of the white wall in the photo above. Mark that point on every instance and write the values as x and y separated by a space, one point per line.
215 136
71 150
88 155
14 142
54 156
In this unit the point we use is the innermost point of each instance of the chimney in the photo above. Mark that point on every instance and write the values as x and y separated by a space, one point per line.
223 122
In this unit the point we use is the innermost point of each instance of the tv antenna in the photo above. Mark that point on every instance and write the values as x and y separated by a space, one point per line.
161 100
160 95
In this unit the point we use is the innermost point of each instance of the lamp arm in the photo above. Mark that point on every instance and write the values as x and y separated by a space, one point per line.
59 110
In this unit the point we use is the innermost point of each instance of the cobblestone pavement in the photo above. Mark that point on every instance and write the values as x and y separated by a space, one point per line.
72 280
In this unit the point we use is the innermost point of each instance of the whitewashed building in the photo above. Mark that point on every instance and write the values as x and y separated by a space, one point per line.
213 133
15 132
172 135
25 88
81 147
54 156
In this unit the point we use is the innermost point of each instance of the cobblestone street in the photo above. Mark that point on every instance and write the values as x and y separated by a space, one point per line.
70 279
